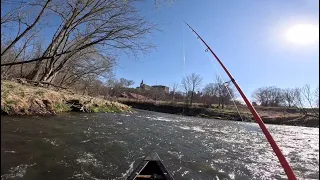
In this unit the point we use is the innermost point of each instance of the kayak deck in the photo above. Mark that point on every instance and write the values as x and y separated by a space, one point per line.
150 168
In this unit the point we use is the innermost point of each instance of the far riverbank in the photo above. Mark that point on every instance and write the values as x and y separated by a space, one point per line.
268 115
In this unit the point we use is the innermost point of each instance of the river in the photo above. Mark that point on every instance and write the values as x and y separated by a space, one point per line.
109 145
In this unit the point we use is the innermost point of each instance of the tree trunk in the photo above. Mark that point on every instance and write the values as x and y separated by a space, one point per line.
21 71
222 103
63 78
173 97
191 98
85 89
35 72
47 75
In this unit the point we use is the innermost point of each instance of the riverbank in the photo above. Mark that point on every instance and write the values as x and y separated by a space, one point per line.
26 99
269 115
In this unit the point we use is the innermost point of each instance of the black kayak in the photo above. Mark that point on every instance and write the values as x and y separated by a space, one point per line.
151 168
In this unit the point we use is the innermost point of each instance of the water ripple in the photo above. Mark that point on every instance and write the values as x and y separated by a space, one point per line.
109 146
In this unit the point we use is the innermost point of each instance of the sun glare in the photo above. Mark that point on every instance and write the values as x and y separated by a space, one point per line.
303 34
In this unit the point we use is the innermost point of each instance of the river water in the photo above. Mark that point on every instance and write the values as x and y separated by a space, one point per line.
108 146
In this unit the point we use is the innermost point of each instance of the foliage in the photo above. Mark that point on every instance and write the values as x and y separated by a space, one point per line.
61 107
104 109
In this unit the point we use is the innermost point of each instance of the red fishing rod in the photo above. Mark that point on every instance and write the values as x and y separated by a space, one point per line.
288 170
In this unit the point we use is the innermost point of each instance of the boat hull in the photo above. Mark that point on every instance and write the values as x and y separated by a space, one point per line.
151 168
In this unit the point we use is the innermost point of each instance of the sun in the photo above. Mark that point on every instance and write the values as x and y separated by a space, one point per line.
303 34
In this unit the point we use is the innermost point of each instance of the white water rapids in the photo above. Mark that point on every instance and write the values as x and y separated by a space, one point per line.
109 146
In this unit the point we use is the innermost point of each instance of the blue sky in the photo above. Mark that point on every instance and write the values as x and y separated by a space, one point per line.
248 36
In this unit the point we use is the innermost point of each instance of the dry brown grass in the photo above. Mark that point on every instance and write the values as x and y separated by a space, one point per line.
28 99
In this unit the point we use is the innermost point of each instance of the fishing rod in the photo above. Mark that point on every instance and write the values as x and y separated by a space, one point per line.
288 170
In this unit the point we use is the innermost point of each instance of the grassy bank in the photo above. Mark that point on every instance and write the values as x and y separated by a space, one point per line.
18 99
286 116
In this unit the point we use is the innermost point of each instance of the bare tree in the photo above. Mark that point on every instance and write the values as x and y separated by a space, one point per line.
118 86
290 96
19 52
310 98
268 96
306 98
88 65
223 91
227 95
210 89
87 82
307 94
219 90
125 82
191 83
88 26
174 90
210 94
10 16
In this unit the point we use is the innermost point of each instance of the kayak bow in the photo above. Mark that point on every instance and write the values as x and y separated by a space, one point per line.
151 168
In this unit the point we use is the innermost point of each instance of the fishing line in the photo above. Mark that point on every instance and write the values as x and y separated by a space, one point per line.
184 58
284 163
184 50
219 74
227 88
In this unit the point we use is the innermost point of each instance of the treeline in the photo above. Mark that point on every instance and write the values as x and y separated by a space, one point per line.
299 97
69 43
218 93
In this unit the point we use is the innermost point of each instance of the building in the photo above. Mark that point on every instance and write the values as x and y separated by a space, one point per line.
144 86
161 88
155 87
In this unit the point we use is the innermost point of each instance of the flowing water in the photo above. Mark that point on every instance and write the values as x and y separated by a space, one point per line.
108 146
